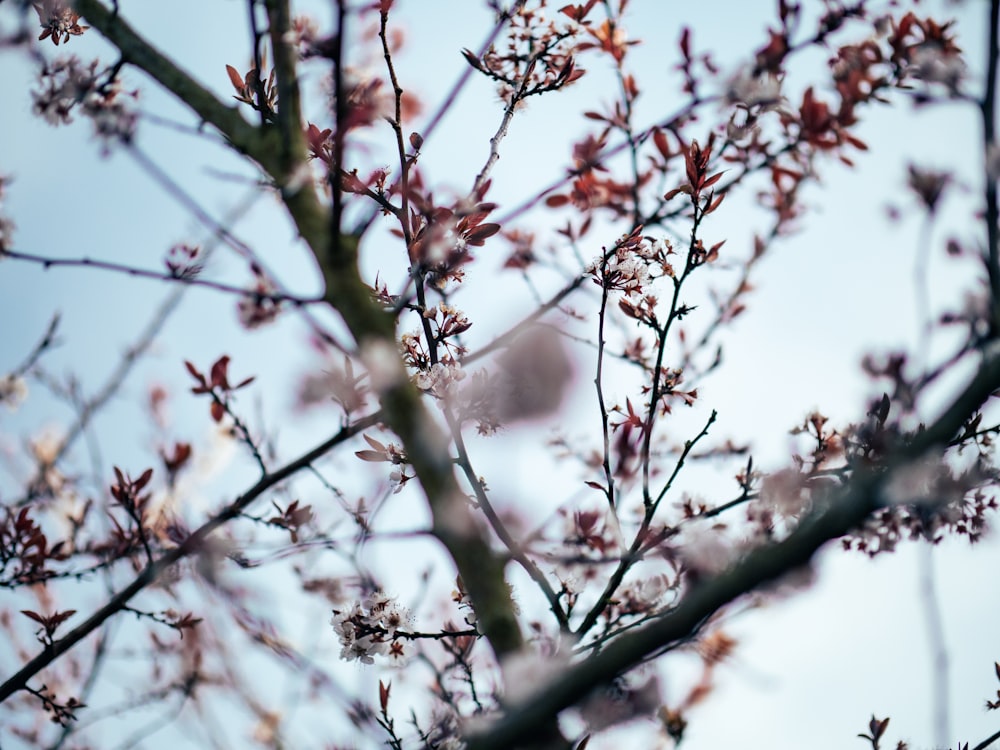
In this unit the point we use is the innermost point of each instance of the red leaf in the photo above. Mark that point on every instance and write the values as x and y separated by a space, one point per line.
472 59
235 77
33 615
373 456
60 617
374 443
662 144
383 695
219 375
217 411
714 204
712 180
194 372
478 235
143 480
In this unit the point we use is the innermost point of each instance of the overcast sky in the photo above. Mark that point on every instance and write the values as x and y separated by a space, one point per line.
812 668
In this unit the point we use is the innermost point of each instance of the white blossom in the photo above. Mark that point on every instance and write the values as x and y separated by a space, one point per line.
369 628
440 379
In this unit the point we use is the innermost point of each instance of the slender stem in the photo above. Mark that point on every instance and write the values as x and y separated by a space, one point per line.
517 553
397 126
609 490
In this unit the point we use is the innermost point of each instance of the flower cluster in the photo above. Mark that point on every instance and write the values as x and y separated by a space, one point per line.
58 21
636 263
371 627
537 55
441 379
66 82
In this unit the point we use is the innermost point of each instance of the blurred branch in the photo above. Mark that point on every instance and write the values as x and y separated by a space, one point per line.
146 273
47 341
192 545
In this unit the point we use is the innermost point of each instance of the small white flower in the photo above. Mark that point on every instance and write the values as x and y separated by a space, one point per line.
440 380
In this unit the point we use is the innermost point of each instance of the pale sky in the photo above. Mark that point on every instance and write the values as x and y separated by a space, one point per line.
811 669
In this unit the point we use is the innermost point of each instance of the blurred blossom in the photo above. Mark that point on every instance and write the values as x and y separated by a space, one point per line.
620 702
526 671
705 549
786 492
920 481
382 360
933 65
259 306
537 372
13 391
65 84
749 90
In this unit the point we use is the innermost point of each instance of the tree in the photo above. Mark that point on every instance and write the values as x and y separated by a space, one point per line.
453 310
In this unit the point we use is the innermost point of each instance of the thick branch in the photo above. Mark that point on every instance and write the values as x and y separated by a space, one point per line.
289 115
426 448
845 511
137 51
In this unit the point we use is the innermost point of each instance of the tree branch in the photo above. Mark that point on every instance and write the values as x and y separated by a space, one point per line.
137 51
845 510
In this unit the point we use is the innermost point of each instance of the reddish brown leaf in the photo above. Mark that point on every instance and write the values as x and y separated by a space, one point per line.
471 58
235 78
478 235
33 615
